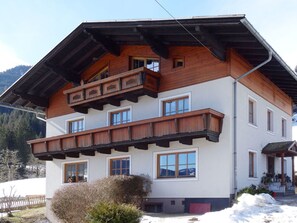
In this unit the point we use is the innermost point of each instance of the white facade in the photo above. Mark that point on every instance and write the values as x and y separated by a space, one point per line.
214 160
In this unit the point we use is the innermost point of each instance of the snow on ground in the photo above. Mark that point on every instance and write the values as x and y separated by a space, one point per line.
256 209
34 186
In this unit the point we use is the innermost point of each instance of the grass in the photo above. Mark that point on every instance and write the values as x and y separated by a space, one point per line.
26 216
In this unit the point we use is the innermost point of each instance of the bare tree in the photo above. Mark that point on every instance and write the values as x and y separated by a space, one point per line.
9 165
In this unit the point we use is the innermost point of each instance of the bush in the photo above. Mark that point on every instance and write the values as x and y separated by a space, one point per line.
114 213
254 190
72 202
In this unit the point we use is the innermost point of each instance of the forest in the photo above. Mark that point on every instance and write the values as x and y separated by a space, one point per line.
17 127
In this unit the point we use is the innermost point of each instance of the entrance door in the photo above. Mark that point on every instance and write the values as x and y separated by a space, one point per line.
270 166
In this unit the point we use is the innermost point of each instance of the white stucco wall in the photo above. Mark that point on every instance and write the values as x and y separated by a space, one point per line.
255 137
214 160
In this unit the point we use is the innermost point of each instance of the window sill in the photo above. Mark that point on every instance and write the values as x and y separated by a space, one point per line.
253 125
180 179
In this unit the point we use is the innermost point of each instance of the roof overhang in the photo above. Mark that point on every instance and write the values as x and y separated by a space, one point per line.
92 40
286 148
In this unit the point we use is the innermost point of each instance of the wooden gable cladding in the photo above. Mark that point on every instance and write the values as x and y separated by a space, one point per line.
199 66
259 84
205 123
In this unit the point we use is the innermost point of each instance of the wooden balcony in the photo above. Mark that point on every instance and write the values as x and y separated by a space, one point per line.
205 123
125 86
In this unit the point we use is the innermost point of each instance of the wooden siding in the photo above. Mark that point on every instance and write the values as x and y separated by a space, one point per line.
260 84
199 66
205 123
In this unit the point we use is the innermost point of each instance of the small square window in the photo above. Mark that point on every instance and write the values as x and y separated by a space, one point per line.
120 117
75 172
76 126
178 62
176 106
119 166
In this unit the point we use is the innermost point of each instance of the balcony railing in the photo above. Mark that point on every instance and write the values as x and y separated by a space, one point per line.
128 85
205 123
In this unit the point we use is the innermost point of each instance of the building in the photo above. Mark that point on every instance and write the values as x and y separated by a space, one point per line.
146 97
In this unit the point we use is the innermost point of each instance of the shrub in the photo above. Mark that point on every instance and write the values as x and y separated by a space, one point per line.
72 202
254 190
114 213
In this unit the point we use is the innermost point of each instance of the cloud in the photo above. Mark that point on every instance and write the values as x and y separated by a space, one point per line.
8 58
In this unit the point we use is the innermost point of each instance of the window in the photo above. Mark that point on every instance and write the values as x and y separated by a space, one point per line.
178 62
284 127
103 73
176 106
76 126
252 164
149 63
252 112
120 166
176 165
269 120
75 172
120 117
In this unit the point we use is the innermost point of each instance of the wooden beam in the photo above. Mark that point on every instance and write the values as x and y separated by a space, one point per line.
59 156
88 152
122 148
45 158
186 141
108 45
80 109
96 106
66 75
114 102
131 97
217 48
163 143
104 150
156 45
36 100
73 154
142 146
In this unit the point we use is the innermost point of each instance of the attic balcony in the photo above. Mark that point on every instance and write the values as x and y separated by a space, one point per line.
205 123
124 86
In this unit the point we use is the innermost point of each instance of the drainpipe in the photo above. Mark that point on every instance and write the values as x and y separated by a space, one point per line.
235 116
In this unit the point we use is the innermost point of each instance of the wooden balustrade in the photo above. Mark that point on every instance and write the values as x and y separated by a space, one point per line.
205 123
128 85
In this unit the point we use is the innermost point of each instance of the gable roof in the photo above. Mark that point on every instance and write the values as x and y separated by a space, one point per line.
92 40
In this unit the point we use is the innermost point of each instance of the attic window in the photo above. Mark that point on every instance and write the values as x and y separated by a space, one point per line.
150 63
103 73
178 62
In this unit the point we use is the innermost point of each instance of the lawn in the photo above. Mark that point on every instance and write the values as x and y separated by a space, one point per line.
33 215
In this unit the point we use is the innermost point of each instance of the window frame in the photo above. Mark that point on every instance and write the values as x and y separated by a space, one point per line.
109 164
252 173
64 169
269 119
156 167
252 122
176 60
145 62
68 121
284 125
173 98
113 111
97 75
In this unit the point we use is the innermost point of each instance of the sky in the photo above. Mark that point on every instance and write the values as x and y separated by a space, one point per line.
29 29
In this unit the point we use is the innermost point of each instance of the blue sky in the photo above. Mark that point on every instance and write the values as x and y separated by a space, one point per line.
29 29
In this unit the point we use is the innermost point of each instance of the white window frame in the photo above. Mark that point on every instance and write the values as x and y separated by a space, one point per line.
117 157
161 100
254 111
71 162
285 128
75 119
255 164
155 165
118 109
271 121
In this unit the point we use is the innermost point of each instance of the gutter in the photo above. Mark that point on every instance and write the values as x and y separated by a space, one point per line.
38 114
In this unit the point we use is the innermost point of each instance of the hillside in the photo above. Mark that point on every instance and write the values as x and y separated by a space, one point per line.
9 76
